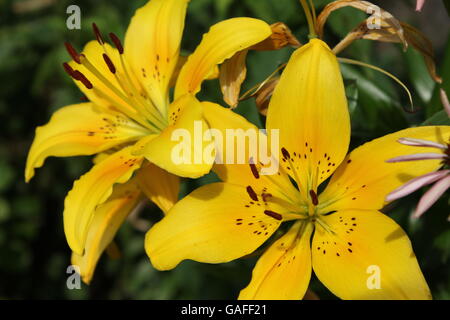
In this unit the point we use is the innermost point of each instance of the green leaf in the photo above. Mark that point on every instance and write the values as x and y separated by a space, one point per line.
419 76
447 6
377 113
5 210
222 7
7 175
444 71
440 118
351 91
442 242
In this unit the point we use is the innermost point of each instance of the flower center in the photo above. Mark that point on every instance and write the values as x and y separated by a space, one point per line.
134 100
284 200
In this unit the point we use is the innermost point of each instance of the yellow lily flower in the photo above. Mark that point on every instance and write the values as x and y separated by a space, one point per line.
129 119
354 249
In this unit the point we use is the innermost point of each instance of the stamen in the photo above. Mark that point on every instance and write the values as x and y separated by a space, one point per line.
102 78
69 70
115 39
128 86
280 187
285 153
135 98
109 63
255 173
273 214
252 193
293 167
82 78
253 169
314 198
72 52
97 33
135 109
324 226
265 196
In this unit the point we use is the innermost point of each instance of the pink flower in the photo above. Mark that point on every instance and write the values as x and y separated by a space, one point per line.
440 178
419 5
445 102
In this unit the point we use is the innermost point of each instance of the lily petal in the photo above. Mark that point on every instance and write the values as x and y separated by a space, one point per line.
159 186
93 189
416 184
284 270
230 168
366 256
107 219
222 41
179 148
80 129
309 108
365 178
213 224
431 196
152 45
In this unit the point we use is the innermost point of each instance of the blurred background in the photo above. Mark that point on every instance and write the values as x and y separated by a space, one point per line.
34 255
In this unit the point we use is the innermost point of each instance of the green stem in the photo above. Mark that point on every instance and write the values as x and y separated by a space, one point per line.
310 19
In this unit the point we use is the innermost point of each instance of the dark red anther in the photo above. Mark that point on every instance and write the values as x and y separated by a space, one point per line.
252 193
115 39
314 198
68 69
82 78
265 196
285 153
254 170
72 52
77 75
97 33
273 214
109 63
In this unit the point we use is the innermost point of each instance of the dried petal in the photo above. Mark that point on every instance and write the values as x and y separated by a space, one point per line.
263 95
422 44
233 71
281 37
232 75
387 33
385 18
